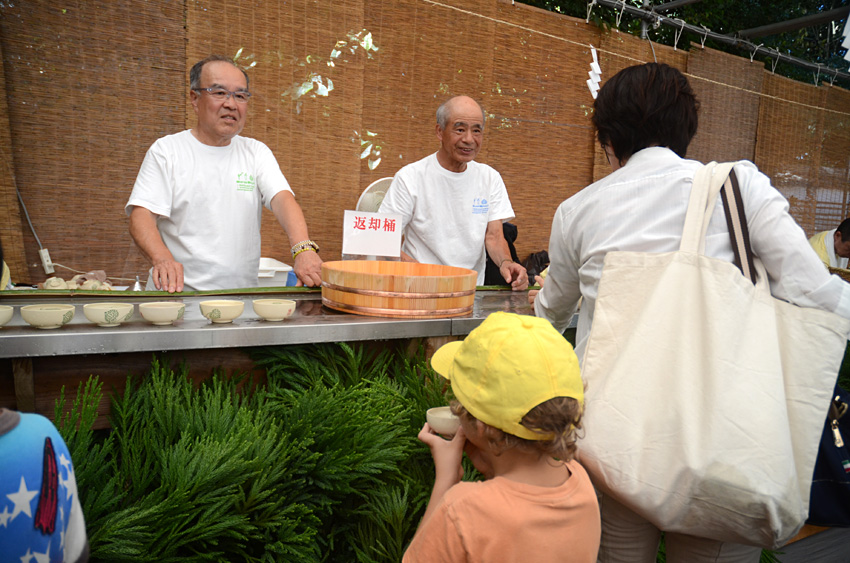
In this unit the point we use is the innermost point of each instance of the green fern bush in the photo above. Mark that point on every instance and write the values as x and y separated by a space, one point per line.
319 463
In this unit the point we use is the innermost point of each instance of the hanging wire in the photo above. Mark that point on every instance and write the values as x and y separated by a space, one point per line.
704 36
774 62
27 215
756 50
678 34
620 15
590 6
651 46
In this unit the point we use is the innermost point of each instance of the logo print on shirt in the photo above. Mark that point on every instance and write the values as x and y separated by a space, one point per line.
480 206
245 182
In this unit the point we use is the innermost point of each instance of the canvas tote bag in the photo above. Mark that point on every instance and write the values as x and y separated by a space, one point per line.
706 396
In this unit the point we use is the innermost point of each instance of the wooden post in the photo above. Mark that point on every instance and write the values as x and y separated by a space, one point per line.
24 385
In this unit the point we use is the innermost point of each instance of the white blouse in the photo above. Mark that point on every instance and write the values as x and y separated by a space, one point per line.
641 207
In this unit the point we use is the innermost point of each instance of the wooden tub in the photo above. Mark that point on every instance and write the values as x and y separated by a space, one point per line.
398 289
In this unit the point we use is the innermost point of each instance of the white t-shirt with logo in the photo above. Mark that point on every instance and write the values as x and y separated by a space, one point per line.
209 204
445 214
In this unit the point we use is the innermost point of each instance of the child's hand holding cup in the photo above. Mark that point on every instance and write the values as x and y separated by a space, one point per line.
442 421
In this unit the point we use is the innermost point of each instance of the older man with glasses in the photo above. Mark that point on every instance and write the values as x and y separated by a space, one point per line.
196 206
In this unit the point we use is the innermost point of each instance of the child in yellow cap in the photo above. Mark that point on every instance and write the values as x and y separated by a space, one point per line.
519 398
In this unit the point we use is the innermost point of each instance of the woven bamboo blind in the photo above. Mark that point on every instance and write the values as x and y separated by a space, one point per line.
541 137
11 235
726 87
791 141
312 141
92 84
833 178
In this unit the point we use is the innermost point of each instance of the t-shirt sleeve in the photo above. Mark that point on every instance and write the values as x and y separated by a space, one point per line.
153 190
270 178
437 540
398 199
500 203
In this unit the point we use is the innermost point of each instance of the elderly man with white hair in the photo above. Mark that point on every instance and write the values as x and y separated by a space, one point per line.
452 207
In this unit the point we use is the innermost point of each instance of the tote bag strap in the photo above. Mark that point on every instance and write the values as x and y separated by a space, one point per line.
736 221
694 218
707 182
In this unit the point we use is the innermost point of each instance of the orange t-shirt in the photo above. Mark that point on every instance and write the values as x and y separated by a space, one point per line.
503 520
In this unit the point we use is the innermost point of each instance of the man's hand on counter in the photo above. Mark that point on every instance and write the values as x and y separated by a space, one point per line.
514 274
168 275
308 268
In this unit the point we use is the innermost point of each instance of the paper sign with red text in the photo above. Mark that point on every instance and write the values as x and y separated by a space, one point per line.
373 234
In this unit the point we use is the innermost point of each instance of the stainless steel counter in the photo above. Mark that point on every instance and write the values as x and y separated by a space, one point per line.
311 322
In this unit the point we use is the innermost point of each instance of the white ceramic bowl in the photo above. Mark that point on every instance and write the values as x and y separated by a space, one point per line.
442 420
162 312
222 310
47 316
6 312
108 314
274 309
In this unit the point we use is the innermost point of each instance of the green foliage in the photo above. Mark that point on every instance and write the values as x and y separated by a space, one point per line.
819 44
320 463
93 466
361 409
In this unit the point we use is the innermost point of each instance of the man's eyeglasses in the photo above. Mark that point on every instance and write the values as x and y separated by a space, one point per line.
220 94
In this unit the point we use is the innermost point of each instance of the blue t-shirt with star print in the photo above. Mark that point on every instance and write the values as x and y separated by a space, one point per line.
41 519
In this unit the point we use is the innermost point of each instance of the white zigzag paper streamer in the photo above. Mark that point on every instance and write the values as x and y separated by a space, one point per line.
595 74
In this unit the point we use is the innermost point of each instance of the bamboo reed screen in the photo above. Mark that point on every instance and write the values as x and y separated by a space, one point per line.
793 132
90 85
11 234
728 121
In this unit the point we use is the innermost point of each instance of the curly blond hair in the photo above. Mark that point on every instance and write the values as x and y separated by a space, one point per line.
559 417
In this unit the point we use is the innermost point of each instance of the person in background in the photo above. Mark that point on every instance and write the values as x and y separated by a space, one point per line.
645 117
196 206
519 398
833 247
452 207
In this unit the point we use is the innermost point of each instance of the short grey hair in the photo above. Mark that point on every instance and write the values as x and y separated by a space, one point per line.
195 73
443 113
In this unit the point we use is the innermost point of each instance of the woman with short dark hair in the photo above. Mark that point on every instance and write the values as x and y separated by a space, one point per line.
645 117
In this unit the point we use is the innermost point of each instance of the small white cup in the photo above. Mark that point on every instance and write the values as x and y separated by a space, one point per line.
442 420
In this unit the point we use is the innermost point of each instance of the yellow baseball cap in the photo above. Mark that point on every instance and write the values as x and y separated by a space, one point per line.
507 366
